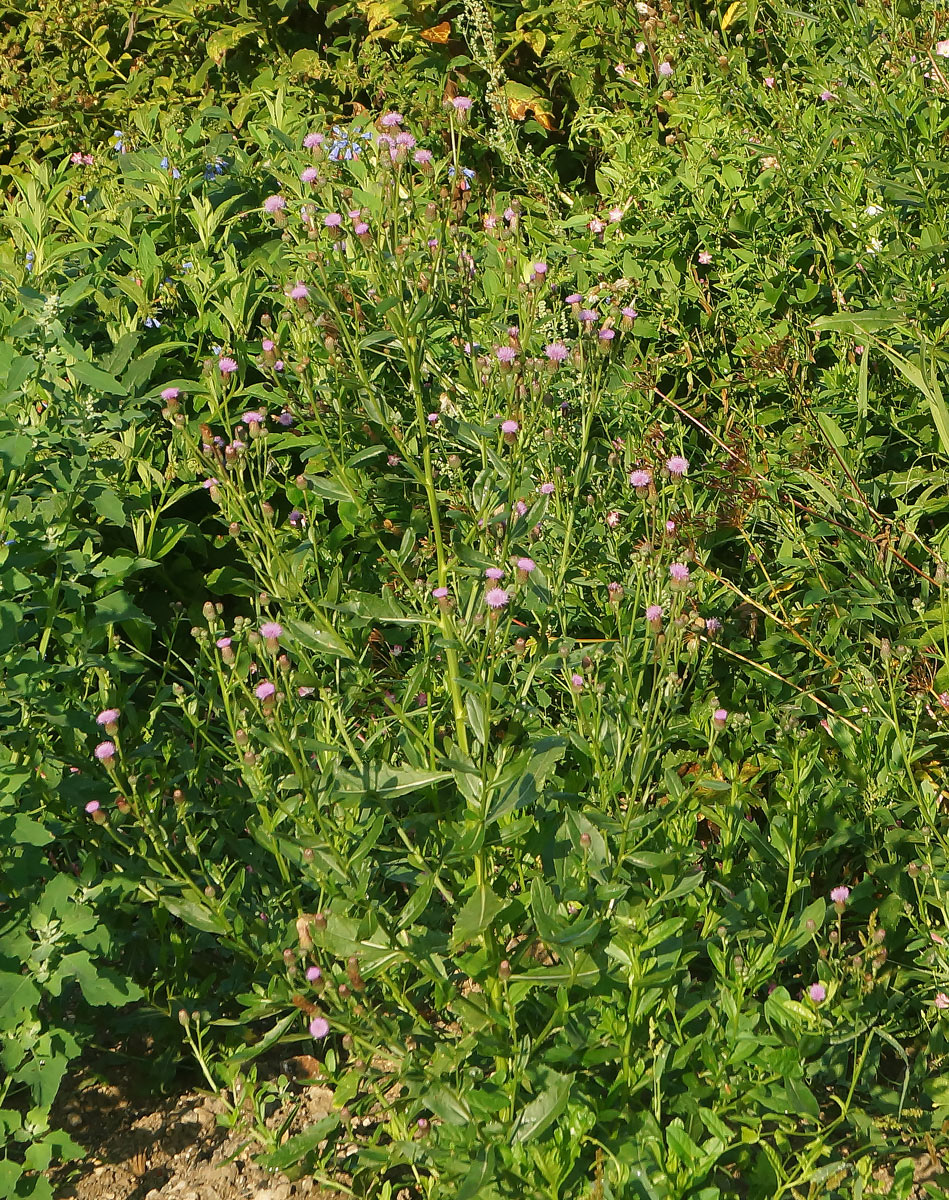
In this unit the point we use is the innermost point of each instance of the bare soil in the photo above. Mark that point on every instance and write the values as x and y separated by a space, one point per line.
170 1149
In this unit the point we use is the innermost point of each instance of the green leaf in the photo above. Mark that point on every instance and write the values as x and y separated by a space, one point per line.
300 1145
194 914
480 909
321 641
93 377
544 1109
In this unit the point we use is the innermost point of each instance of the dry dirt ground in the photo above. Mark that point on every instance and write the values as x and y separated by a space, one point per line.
169 1149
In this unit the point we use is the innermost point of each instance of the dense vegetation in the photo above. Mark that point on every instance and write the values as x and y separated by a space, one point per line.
473 603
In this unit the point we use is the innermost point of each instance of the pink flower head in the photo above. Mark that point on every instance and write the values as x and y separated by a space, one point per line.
210 483
665 69
509 427
440 593
271 630
629 313
679 572
93 807
108 716
494 573
941 1000
422 157
526 565
275 204
332 220
461 104
299 291
817 992
389 119
405 140
105 751
677 466
704 257
612 518
319 1028
606 334
226 365
547 489
222 643
640 479
596 225
432 418
312 140
540 268
769 81
252 418
170 393
496 597
826 96
577 682
840 895
360 228
263 691
712 626
267 345
573 298
313 973
505 354
588 315
720 718
309 174
654 613
556 352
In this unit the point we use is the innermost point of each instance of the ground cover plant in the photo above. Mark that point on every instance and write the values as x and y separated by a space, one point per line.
482 629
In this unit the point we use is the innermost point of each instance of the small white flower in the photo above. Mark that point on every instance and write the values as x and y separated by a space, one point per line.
640 47
942 48
874 210
874 246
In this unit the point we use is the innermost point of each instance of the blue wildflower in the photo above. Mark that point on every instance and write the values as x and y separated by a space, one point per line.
217 166
119 145
152 323
30 256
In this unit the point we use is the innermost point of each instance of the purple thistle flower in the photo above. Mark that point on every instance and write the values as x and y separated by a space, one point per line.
389 119
312 140
105 751
274 204
505 354
252 418
309 175
817 992
108 716
577 682
679 572
712 626
526 565
509 427
422 157
222 643
313 973
556 352
496 597
263 691
547 489
271 630
170 393
494 573
332 220
93 807
461 104
226 365
319 1028
677 466
840 895
640 479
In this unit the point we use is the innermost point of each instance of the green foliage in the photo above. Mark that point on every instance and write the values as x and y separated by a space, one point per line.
539 868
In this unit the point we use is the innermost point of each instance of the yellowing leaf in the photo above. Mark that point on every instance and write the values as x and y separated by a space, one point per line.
732 12
438 33
523 100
